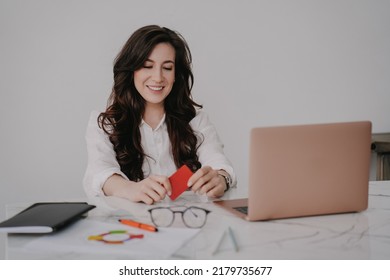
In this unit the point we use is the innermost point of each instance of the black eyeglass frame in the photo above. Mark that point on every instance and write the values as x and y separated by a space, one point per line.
182 214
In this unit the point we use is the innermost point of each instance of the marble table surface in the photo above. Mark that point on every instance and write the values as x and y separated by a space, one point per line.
364 235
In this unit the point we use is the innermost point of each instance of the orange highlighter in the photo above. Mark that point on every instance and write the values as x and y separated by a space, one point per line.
138 225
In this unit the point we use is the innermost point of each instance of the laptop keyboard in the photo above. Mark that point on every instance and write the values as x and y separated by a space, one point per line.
243 209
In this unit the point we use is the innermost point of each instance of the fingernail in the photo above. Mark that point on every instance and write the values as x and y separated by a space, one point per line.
189 184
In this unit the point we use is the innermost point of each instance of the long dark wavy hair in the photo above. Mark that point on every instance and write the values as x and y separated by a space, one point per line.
126 106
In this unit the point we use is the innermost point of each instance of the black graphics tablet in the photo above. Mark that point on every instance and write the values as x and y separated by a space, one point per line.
45 217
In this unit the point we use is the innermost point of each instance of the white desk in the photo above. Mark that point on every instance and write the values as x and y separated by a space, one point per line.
364 235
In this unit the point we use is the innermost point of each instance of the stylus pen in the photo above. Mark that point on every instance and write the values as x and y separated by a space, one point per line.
233 238
219 243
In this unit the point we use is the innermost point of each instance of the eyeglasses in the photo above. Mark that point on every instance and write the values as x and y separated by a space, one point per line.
193 217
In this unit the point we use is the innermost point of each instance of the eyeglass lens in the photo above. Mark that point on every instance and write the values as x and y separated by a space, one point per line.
194 217
162 217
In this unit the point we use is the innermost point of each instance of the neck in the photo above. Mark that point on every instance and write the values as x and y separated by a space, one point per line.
153 114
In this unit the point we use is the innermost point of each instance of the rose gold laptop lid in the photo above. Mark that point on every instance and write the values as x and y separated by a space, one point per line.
307 170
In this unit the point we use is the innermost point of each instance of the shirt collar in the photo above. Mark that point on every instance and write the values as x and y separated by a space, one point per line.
160 124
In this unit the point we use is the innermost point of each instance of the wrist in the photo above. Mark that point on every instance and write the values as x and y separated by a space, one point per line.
226 178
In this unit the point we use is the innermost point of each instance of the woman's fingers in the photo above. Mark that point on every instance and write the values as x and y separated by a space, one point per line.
154 189
206 181
164 182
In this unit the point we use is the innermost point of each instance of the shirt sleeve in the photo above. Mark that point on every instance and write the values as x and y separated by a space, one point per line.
101 162
210 151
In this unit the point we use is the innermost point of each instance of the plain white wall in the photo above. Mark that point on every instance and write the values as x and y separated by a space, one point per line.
256 63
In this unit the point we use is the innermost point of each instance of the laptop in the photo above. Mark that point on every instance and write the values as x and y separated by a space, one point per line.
306 170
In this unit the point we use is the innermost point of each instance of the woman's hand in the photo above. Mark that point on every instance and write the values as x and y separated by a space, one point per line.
207 181
150 190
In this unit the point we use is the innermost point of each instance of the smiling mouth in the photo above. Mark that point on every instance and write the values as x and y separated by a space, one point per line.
155 88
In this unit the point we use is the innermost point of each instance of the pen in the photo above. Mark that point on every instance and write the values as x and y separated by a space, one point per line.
233 238
138 225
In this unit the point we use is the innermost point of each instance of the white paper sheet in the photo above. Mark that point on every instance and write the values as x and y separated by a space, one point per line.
74 241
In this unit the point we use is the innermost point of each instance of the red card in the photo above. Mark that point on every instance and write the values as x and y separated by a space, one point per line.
179 181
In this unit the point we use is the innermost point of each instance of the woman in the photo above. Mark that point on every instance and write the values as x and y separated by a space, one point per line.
152 126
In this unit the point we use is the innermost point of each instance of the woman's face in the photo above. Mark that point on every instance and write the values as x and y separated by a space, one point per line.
154 80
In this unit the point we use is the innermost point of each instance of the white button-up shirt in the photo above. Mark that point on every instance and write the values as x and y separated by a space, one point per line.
102 161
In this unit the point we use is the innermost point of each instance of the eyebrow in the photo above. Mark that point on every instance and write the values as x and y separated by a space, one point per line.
166 61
